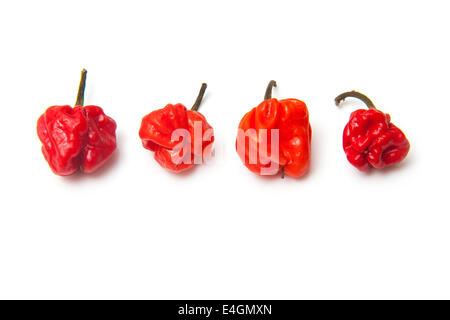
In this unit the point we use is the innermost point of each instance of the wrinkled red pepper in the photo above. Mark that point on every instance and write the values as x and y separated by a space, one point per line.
181 153
370 139
291 118
78 138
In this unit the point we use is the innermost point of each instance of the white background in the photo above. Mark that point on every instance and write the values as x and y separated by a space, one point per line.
133 230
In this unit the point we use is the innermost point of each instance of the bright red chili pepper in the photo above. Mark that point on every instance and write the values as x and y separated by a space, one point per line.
370 139
257 141
76 138
158 134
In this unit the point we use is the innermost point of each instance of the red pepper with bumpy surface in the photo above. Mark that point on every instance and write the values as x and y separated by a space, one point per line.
78 138
158 133
278 135
370 139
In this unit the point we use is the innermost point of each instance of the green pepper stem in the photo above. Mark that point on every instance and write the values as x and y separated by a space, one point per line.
270 86
199 97
356 95
80 95
267 96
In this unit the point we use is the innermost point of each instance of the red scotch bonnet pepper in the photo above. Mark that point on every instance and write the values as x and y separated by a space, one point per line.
370 139
78 138
179 138
275 137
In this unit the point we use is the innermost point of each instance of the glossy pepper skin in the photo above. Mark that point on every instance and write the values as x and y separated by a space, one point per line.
370 140
158 126
291 118
78 138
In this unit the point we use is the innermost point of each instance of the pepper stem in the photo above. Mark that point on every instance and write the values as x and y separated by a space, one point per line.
80 95
199 97
270 86
356 95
